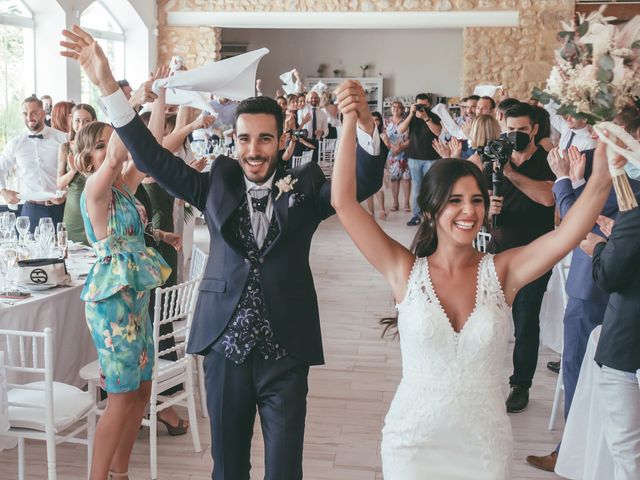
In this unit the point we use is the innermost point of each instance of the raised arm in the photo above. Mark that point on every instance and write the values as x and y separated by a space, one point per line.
173 175
519 266
64 177
385 254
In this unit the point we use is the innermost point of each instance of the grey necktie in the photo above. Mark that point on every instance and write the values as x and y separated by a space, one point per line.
259 220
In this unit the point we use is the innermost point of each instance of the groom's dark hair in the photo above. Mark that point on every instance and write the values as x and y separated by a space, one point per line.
256 105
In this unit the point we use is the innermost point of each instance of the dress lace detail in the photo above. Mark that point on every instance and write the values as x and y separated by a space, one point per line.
448 419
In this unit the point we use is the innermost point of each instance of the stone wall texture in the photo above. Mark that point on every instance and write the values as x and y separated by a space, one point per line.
517 57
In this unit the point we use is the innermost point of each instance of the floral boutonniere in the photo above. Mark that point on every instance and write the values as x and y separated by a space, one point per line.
284 185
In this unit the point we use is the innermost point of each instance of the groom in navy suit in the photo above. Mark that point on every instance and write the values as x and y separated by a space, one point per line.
256 321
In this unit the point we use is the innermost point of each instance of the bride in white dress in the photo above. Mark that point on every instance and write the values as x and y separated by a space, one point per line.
448 418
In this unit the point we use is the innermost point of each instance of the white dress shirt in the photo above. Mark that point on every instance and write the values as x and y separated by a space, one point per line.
322 120
581 137
120 113
268 184
36 160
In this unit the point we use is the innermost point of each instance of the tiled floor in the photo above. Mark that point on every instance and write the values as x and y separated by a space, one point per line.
348 397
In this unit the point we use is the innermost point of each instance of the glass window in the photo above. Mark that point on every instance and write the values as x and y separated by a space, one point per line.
105 29
14 7
17 66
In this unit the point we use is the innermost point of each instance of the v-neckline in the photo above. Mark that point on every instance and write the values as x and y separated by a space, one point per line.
436 299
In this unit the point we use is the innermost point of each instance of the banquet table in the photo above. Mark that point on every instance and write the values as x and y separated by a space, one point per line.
61 309
584 455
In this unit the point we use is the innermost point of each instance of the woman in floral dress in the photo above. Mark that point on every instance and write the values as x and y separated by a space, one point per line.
117 293
397 165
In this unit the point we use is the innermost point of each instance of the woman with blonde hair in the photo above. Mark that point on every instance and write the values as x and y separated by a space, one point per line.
484 129
117 293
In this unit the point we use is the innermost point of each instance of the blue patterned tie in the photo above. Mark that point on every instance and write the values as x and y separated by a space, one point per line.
259 219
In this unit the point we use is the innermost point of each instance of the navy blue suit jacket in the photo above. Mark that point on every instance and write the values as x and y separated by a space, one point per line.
615 270
285 274
580 282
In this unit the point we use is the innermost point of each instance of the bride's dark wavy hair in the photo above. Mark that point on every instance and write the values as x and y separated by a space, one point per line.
434 194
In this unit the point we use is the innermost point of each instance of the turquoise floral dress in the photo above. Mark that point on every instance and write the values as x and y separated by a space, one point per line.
117 295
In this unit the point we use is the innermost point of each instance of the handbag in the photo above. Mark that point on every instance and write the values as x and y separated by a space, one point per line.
43 272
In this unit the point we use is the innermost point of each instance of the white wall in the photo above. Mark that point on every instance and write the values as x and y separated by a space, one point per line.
410 61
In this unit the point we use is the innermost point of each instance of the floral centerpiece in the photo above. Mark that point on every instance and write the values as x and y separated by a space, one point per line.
597 74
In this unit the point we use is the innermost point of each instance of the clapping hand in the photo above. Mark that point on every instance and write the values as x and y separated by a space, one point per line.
83 47
559 164
442 148
351 97
577 162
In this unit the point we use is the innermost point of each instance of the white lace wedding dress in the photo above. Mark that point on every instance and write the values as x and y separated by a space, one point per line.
448 420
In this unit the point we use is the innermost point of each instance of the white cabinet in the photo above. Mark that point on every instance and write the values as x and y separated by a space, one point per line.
372 85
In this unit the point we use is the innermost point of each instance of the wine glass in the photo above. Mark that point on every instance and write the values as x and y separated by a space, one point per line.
4 224
8 256
46 225
10 219
63 239
22 225
60 226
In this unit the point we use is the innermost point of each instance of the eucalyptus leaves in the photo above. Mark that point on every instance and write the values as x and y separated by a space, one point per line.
597 70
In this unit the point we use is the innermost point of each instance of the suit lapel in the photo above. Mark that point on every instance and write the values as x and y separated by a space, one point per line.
231 195
280 207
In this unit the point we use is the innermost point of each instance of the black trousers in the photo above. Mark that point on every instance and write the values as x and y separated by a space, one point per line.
278 389
526 320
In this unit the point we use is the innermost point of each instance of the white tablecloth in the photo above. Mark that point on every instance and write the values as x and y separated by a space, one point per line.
584 454
553 305
62 310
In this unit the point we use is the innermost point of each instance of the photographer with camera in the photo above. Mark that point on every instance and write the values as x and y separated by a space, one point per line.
424 127
524 208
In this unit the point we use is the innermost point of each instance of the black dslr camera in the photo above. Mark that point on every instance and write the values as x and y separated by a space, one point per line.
297 134
495 156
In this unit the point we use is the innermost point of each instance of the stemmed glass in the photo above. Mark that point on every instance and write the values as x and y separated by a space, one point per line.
5 224
22 225
8 257
63 240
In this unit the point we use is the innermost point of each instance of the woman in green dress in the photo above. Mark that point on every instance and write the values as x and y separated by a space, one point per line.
69 178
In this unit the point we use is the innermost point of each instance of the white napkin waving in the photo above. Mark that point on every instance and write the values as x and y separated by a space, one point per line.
486 90
449 123
233 78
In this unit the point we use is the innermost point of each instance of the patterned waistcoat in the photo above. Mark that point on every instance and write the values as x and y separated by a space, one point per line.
249 326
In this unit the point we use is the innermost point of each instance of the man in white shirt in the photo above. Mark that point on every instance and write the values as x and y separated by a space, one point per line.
35 156
312 119
573 131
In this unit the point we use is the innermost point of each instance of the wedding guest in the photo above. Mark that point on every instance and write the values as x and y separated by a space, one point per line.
397 163
61 116
586 302
34 154
573 131
47 105
502 108
486 106
543 137
333 116
69 178
615 270
423 127
282 102
312 118
384 151
117 295
447 418
525 206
